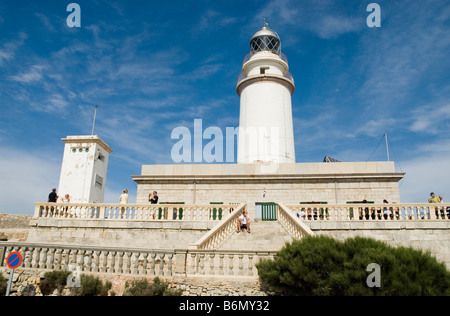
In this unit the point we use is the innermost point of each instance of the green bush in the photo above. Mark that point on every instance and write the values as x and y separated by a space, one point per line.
322 266
53 280
92 286
3 285
143 288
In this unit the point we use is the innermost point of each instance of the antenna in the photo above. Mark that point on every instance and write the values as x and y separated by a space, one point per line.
387 146
95 116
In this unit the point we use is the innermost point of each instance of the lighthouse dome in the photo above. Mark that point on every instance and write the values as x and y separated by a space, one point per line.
266 40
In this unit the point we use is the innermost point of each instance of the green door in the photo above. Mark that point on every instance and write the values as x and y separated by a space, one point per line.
268 212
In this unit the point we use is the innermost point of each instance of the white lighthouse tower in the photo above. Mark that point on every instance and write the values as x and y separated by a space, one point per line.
266 132
84 169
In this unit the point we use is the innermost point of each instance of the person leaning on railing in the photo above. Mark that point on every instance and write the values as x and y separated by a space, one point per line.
435 199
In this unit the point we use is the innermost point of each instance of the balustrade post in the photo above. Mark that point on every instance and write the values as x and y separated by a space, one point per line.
201 263
169 265
221 256
50 263
144 265
250 264
97 261
113 262
66 259
152 266
230 266
43 259
37 211
193 263
105 261
136 263
120 270
241 264
89 261
102 213
58 258
82 252
28 254
211 263
161 264
128 267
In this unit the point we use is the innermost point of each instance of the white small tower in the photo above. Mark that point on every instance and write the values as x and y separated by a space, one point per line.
266 131
84 169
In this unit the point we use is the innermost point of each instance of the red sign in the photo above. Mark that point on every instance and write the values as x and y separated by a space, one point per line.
14 260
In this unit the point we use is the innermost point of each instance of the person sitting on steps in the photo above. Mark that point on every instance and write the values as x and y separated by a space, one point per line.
243 223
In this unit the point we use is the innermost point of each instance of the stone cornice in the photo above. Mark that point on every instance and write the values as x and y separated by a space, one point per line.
251 178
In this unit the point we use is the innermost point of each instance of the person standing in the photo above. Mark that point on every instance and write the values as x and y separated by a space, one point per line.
123 200
66 200
153 198
53 196
435 199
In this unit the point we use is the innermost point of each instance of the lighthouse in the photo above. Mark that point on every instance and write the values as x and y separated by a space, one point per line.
265 87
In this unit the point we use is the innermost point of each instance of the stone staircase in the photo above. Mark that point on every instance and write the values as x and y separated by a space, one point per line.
264 236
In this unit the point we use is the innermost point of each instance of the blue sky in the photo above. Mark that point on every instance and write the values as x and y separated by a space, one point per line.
152 66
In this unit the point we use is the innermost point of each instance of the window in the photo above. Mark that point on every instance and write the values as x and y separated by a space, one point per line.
101 157
98 181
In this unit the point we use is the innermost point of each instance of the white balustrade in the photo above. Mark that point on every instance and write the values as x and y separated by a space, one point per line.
137 261
292 224
372 212
137 212
222 231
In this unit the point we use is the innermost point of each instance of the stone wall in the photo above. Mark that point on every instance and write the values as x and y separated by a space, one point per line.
335 183
432 236
14 227
119 233
26 283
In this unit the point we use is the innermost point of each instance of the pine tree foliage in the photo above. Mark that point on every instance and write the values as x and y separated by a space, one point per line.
323 266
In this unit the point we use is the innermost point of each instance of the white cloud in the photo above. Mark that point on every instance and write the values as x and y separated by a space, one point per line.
8 51
33 75
313 16
431 119
333 26
212 20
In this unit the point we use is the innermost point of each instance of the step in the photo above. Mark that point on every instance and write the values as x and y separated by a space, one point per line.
264 236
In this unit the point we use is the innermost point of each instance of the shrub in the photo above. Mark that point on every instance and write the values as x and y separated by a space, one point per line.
143 288
3 285
53 280
92 286
322 266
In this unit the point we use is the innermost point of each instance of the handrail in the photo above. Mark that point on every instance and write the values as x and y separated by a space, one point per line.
292 224
221 232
